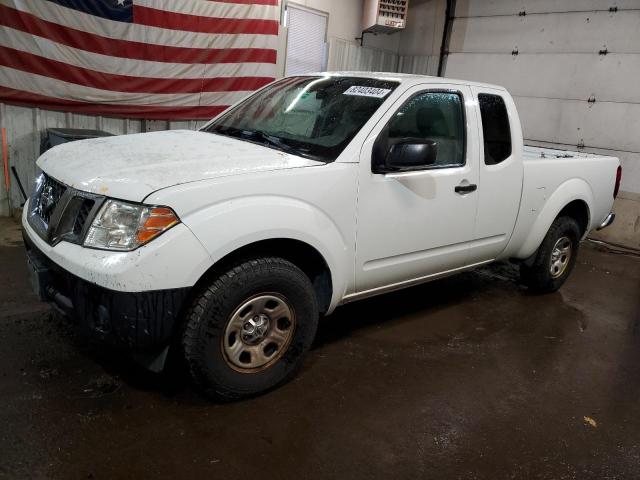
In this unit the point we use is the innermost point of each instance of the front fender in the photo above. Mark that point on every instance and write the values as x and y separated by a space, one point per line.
224 227
567 192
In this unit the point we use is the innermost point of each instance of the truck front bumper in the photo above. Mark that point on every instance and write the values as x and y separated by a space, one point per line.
142 322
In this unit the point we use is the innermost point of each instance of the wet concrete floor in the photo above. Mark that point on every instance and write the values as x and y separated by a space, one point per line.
469 377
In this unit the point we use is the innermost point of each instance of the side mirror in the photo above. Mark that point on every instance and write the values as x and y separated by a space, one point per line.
410 154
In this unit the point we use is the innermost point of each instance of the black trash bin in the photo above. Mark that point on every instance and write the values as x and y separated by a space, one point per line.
57 136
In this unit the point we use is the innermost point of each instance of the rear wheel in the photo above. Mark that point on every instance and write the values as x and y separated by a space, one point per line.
555 258
248 331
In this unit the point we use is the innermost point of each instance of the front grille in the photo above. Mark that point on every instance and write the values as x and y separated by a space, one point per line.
58 212
47 196
82 216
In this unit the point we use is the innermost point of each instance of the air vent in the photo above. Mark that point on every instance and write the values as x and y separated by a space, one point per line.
385 16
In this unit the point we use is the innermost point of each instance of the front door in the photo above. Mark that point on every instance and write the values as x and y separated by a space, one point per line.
419 223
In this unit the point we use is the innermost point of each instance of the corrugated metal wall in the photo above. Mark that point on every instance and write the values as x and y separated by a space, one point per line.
420 42
25 127
345 55
572 66
418 64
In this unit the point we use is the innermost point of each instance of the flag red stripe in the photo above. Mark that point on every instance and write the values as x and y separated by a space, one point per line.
196 23
30 63
26 99
71 37
249 2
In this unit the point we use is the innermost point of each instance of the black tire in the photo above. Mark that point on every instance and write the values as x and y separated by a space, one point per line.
212 310
538 276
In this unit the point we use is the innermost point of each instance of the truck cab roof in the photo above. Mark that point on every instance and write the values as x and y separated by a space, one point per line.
405 78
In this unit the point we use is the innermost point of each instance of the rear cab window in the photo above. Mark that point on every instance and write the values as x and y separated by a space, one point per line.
496 130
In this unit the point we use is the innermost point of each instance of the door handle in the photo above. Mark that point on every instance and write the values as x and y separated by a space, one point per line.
462 189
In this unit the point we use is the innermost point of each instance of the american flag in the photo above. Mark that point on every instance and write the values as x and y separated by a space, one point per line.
154 59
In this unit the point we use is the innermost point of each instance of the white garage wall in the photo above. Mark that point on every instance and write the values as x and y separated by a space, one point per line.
477 8
345 23
420 42
416 49
345 55
380 52
558 68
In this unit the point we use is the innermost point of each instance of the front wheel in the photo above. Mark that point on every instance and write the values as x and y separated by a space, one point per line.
555 258
248 331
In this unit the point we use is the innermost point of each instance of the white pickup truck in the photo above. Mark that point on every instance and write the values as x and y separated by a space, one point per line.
225 245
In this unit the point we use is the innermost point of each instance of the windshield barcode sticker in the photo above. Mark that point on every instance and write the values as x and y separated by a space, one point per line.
367 91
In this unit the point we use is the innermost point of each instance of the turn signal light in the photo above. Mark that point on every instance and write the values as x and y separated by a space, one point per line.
158 220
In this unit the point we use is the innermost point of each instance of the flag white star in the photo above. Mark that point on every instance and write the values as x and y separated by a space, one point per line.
121 3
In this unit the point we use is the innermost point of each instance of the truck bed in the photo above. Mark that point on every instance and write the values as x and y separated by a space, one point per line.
532 153
551 178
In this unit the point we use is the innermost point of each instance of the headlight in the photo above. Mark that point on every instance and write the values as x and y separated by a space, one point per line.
126 226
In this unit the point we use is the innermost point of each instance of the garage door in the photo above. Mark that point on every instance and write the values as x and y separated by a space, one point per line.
572 66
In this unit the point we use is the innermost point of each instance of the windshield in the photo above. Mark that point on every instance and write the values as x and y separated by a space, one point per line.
314 117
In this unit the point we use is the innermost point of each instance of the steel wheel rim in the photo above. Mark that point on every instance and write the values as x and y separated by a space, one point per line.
560 256
258 333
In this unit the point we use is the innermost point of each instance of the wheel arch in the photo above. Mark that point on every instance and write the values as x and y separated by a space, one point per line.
303 255
573 198
579 211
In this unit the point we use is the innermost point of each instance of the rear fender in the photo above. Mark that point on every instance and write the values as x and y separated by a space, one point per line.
574 189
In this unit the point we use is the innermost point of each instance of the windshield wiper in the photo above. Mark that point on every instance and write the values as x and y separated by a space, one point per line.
271 140
278 143
265 139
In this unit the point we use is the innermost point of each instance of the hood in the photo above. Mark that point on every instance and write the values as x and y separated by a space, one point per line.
130 167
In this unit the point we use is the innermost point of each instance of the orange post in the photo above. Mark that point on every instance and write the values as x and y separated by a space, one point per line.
5 159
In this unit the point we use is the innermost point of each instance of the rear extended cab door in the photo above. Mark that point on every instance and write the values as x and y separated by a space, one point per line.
501 172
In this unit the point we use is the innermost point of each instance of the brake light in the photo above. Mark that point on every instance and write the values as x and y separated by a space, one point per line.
618 178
